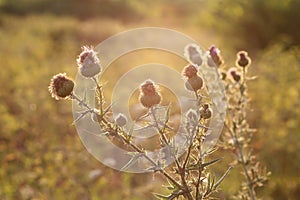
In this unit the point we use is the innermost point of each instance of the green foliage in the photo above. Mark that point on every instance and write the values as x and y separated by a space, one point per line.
29 155
92 8
253 23
276 96
41 156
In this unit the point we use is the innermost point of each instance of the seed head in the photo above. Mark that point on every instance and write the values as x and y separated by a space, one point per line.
149 94
243 59
88 62
61 86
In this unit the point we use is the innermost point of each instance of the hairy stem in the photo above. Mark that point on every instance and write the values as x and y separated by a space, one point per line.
100 95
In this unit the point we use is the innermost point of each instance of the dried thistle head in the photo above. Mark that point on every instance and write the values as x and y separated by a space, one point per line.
193 82
243 60
61 86
88 62
149 94
234 74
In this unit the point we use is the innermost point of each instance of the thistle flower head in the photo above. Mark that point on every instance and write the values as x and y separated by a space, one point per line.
191 49
193 53
243 59
194 84
148 87
234 74
87 53
214 51
88 62
149 94
189 71
214 57
61 86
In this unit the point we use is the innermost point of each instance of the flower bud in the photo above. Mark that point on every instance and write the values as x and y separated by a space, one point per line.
205 111
193 53
243 59
121 120
61 86
223 75
88 62
235 75
149 95
215 56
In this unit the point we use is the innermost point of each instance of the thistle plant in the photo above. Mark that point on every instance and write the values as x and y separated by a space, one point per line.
189 177
238 134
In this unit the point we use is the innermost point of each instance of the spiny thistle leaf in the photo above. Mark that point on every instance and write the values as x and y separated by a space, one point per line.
211 162
132 161
82 114
129 135
161 197
167 117
222 178
172 185
210 185
157 167
199 165
172 196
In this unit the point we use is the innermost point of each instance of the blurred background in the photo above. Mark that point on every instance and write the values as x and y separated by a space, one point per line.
41 155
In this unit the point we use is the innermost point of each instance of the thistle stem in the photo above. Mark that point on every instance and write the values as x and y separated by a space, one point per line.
133 146
99 90
241 156
81 102
184 187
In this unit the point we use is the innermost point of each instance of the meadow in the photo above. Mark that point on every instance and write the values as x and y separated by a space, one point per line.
41 155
